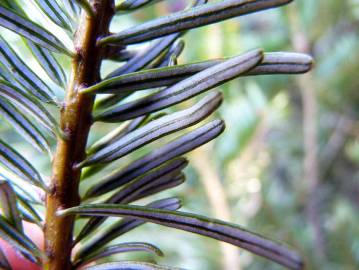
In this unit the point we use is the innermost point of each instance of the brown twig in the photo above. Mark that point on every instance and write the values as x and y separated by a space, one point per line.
307 87
75 124
217 199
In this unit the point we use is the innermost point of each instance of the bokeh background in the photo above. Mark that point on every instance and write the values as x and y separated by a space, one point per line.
287 164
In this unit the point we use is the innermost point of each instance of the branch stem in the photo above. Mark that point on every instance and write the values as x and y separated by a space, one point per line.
75 123
307 86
